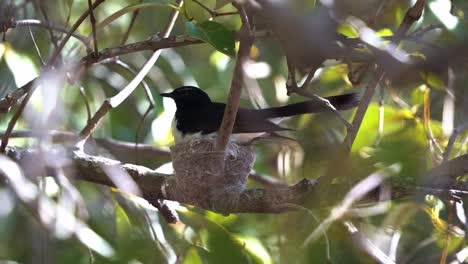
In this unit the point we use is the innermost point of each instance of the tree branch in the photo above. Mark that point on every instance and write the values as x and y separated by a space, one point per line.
230 113
47 25
117 99
155 185
150 44
73 29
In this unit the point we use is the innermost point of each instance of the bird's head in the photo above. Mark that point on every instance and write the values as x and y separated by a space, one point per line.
188 96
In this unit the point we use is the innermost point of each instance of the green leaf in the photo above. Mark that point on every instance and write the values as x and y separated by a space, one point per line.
213 33
394 120
222 246
183 10
433 80
417 96
347 30
384 32
221 3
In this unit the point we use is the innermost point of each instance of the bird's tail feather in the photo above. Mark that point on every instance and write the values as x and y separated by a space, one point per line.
340 102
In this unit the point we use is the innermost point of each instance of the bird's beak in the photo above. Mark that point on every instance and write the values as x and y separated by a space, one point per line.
166 95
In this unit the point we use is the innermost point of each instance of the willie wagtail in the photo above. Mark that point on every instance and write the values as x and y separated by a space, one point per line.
198 116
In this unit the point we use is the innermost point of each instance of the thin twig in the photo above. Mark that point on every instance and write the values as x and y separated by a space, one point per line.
130 26
381 116
51 62
320 100
230 113
393 95
13 97
47 25
44 13
451 142
361 111
423 30
212 12
36 47
73 29
14 119
150 44
92 19
411 16
116 100
153 44
85 99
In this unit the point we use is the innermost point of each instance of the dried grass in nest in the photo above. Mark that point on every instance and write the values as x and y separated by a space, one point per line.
202 179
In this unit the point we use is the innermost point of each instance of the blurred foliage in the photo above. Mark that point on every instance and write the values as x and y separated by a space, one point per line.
403 125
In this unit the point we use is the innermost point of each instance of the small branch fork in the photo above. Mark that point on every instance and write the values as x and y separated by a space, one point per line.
246 40
33 84
412 15
156 186
212 12
152 44
46 25
128 90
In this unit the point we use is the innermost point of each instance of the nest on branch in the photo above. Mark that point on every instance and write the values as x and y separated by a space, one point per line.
210 178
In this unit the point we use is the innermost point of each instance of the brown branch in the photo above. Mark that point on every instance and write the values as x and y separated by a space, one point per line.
123 151
93 122
72 30
85 100
13 97
150 44
229 117
38 51
160 186
117 99
212 12
14 119
46 17
447 172
452 139
25 101
130 26
319 100
47 25
92 19
361 111
412 15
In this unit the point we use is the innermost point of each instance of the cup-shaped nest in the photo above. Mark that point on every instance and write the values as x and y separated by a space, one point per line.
207 177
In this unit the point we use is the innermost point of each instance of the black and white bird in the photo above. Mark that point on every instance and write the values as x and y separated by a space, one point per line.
197 116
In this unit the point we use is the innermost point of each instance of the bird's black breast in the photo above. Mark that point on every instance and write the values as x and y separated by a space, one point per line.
205 119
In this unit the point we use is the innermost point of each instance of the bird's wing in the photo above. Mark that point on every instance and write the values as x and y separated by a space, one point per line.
248 122
208 120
